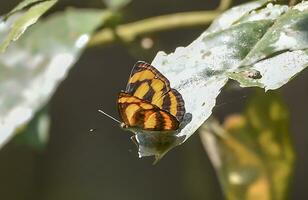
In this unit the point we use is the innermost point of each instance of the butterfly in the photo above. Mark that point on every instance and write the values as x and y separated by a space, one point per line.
148 102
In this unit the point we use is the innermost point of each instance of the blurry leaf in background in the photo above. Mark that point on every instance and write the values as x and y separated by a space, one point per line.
36 133
200 70
32 68
16 25
116 4
252 153
23 4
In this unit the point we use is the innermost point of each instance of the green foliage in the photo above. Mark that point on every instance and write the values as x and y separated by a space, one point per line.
252 152
32 68
262 43
16 25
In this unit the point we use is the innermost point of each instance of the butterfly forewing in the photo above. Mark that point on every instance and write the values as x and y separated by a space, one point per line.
145 81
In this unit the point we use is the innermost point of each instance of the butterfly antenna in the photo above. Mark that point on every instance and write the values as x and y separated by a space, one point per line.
109 116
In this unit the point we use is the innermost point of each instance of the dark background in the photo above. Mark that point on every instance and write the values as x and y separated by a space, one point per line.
82 165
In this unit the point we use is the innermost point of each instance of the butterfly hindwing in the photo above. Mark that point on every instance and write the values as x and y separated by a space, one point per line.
171 102
161 120
136 112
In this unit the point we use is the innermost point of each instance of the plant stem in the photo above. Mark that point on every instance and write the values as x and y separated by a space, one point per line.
129 32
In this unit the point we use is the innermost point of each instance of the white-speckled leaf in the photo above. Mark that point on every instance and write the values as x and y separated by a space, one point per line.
18 24
200 70
281 53
234 14
290 32
32 67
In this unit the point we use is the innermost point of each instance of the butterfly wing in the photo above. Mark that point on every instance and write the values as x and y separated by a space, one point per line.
147 83
172 102
136 112
161 120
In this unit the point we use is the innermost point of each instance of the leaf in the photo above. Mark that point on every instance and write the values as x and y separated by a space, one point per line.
281 53
200 70
23 4
229 17
252 153
36 133
32 68
22 22
116 4
275 71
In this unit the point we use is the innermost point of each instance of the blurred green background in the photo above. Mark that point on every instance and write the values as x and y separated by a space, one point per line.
103 164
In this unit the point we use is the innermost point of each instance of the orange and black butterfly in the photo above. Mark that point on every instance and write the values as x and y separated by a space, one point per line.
149 103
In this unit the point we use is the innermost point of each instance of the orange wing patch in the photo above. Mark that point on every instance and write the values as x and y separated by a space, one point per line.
142 75
149 102
142 90
145 115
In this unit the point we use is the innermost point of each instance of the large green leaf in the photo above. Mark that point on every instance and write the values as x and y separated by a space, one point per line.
201 69
18 24
32 67
252 153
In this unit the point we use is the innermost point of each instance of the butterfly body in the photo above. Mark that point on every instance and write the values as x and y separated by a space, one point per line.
149 103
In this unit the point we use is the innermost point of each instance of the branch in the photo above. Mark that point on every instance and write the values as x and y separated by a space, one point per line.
128 32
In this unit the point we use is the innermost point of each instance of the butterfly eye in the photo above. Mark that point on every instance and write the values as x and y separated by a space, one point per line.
123 125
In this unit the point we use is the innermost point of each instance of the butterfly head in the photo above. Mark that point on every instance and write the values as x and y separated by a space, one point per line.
123 125
132 129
